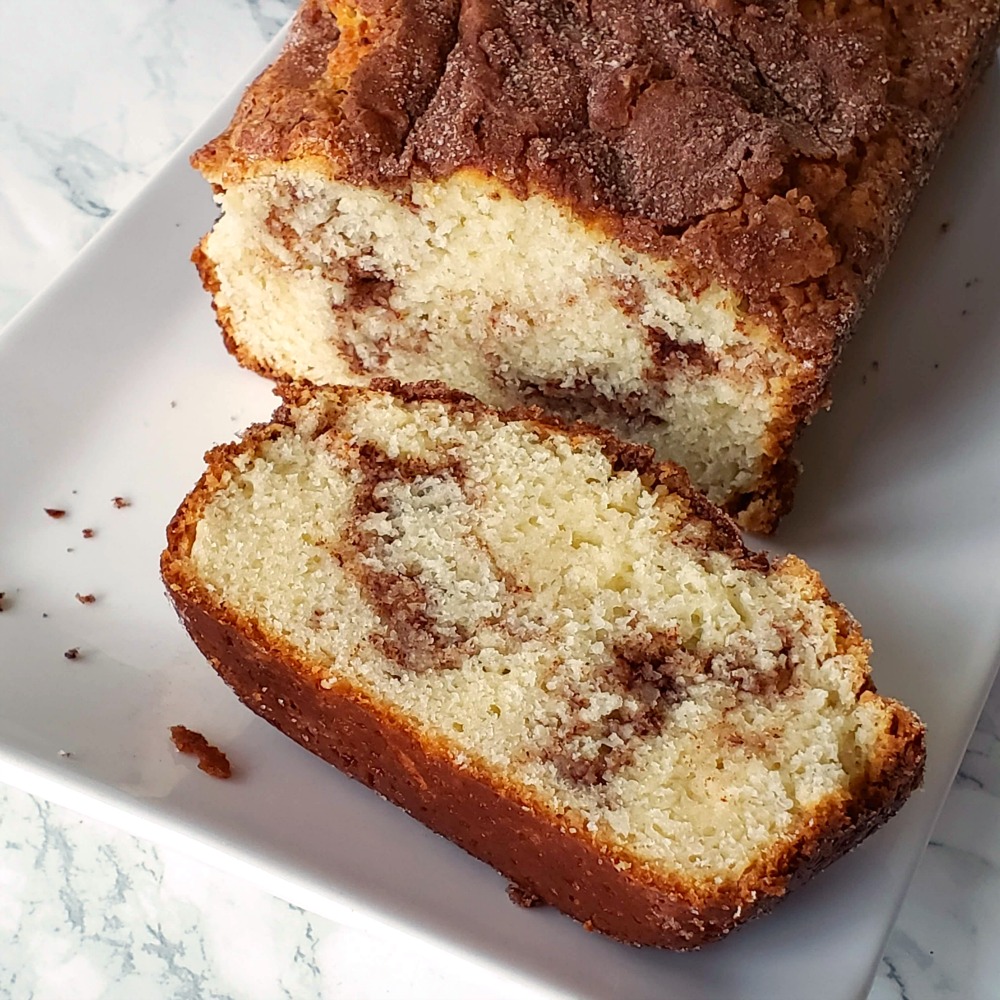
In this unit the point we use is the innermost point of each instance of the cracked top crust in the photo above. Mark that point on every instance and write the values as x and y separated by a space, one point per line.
772 147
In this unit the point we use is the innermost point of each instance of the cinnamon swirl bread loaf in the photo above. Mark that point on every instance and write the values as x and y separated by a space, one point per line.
544 646
656 215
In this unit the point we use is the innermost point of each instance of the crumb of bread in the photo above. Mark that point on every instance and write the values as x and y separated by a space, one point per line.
211 759
86 598
120 502
72 654
88 532
55 513
520 896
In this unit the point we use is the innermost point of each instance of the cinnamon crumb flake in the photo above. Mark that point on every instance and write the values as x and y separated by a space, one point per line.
86 598
72 654
211 759
520 896
120 502
2 595
55 512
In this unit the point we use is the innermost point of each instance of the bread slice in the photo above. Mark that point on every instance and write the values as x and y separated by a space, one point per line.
544 646
659 216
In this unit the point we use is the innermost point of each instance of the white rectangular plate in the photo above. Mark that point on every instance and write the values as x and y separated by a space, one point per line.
116 381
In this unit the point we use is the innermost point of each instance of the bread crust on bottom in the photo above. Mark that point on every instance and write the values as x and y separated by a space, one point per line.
521 839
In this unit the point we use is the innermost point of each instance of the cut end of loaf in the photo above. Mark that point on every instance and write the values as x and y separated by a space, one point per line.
515 300
496 619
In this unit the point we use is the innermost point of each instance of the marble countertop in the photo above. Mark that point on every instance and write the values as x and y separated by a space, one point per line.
93 97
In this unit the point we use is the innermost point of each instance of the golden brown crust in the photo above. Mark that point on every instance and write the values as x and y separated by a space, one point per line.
289 109
774 491
600 885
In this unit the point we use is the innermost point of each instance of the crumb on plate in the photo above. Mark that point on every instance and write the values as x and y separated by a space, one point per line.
520 896
211 759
